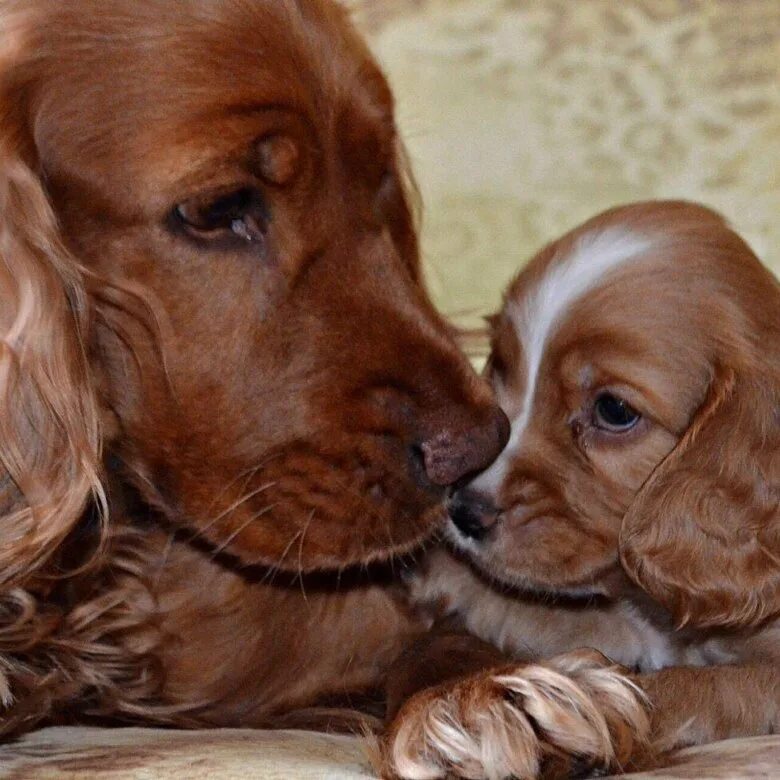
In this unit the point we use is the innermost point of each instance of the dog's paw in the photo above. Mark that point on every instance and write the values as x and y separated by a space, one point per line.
572 714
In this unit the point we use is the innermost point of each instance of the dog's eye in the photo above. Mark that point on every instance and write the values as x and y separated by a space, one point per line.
613 414
240 213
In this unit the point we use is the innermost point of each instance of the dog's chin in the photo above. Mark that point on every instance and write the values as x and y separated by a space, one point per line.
391 541
317 544
308 509
411 541
489 565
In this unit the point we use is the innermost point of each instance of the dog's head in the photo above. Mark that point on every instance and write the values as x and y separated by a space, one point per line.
638 359
210 273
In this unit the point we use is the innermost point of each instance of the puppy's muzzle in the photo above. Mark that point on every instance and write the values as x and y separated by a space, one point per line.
472 513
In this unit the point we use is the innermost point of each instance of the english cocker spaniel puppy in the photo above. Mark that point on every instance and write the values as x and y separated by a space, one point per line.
224 389
635 511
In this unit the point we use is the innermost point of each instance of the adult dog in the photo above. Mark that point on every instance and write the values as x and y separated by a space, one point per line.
217 362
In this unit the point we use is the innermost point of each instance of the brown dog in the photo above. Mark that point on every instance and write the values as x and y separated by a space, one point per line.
636 509
216 354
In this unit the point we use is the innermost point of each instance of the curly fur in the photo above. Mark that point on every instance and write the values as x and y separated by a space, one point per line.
519 721
166 460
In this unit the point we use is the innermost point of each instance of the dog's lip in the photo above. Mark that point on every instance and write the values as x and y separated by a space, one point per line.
523 514
461 541
431 527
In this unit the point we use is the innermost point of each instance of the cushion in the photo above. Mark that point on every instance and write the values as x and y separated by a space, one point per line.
143 754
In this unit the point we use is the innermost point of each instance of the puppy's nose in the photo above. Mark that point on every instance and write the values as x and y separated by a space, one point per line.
449 455
473 514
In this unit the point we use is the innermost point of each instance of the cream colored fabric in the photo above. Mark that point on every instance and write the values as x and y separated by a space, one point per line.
523 117
145 754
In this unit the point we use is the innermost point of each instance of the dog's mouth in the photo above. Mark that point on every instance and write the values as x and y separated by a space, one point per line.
489 565
309 509
306 533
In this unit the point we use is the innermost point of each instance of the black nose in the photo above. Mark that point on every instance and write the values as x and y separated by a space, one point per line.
472 514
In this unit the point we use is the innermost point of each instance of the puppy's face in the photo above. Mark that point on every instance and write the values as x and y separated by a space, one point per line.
606 352
271 369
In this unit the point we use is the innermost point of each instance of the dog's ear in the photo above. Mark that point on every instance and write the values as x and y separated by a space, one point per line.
49 420
703 534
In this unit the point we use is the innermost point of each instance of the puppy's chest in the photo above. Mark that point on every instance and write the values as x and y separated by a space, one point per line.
530 629
527 628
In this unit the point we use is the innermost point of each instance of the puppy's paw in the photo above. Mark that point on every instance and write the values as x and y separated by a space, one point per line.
574 713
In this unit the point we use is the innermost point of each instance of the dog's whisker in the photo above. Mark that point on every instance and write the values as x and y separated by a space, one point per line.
293 539
300 552
250 471
232 537
236 504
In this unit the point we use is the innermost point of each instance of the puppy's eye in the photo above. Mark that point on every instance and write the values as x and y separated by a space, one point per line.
240 213
611 413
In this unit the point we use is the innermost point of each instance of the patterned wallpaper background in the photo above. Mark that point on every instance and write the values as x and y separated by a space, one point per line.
524 117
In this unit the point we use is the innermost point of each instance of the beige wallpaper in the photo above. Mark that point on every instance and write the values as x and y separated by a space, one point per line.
525 116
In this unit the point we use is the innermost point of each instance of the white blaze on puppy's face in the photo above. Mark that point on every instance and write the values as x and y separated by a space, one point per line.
570 275
618 344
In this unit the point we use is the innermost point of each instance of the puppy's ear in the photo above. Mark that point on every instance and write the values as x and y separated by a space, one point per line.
703 534
49 420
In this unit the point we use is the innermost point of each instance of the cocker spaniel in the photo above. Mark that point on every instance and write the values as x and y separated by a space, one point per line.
220 370
635 511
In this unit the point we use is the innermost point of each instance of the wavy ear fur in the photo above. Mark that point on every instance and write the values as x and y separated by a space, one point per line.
53 654
49 420
703 535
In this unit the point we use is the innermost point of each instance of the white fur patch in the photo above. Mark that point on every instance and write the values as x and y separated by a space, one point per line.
535 318
488 726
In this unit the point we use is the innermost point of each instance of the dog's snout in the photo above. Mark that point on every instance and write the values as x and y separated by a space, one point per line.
451 454
472 514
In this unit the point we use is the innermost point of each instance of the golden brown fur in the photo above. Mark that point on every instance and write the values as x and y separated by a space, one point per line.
220 372
649 532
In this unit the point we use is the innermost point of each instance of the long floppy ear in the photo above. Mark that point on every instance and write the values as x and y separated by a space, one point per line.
703 534
49 420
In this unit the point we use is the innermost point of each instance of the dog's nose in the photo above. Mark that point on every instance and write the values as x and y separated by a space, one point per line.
472 514
450 455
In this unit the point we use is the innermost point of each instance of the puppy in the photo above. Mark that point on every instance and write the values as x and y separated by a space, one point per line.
635 511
